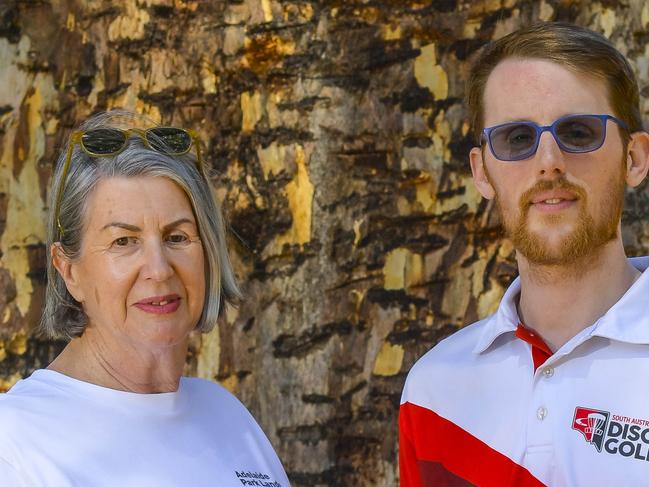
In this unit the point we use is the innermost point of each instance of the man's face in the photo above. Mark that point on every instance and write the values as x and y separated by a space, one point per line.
557 207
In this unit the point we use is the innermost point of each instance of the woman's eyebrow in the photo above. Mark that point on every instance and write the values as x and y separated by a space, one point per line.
135 228
125 226
178 222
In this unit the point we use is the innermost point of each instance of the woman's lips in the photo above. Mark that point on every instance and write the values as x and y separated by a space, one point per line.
159 304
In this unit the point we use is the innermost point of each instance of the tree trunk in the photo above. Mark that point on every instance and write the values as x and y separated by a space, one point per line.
338 140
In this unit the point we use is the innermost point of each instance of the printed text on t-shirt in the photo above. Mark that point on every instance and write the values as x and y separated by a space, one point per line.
256 479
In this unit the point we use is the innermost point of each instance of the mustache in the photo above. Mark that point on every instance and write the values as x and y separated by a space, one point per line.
545 185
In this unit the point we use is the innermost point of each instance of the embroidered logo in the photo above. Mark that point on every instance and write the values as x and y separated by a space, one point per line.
613 433
592 424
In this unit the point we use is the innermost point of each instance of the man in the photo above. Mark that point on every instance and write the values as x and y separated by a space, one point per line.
551 389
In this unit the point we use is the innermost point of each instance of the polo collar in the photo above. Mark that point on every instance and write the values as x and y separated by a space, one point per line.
504 320
626 321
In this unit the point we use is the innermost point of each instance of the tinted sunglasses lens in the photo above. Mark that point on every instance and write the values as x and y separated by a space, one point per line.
169 140
513 141
103 141
581 133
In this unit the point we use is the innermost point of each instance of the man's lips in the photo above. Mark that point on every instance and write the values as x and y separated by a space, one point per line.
159 304
553 200
549 197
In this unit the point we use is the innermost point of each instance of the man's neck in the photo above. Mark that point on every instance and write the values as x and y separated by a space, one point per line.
560 301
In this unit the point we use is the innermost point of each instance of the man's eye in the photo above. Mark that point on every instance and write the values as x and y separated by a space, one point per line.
577 133
520 137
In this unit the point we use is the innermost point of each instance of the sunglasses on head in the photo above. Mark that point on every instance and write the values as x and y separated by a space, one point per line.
515 141
106 142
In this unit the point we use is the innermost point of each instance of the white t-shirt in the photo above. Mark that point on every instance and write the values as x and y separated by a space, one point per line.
62 432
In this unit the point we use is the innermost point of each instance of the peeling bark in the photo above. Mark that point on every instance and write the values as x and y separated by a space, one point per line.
338 141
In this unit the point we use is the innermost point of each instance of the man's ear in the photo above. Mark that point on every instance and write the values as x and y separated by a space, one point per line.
637 158
67 269
479 172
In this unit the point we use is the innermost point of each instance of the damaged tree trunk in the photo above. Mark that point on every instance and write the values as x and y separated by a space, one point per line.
338 141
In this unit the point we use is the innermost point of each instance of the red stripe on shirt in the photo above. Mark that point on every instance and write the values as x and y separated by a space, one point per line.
540 350
430 444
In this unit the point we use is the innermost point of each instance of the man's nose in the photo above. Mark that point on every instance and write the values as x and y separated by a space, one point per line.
156 264
549 157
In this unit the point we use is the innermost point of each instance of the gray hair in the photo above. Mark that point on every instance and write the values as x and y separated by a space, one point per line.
63 317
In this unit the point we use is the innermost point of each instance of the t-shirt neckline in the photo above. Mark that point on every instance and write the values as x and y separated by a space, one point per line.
144 403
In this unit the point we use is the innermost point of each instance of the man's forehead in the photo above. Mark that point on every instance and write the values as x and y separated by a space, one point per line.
529 88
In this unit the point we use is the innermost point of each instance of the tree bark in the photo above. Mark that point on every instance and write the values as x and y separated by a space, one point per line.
338 139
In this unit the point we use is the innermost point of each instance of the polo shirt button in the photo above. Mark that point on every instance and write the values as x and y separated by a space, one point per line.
548 372
541 413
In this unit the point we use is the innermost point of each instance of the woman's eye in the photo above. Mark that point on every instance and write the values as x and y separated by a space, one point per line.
177 238
123 241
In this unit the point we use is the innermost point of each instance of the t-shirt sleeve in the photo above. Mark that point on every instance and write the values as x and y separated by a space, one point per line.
9 475
408 468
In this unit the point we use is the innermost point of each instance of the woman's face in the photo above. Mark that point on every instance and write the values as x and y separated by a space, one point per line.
141 272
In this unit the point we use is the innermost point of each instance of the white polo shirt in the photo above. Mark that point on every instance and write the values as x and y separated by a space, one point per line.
476 411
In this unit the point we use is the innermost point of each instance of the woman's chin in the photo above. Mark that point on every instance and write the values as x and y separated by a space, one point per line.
162 336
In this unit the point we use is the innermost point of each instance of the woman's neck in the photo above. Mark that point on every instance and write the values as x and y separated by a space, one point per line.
122 366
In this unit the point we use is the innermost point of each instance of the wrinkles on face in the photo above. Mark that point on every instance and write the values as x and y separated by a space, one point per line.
141 241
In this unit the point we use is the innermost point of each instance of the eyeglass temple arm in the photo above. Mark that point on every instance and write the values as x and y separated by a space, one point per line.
74 138
197 143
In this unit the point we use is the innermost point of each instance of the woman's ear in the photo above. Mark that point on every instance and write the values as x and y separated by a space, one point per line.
637 158
67 270
480 178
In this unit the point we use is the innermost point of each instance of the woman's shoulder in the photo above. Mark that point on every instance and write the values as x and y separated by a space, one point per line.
21 392
11 408
27 397
17 410
209 391
211 396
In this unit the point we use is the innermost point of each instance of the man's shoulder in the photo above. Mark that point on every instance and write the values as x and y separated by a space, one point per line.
441 365
457 348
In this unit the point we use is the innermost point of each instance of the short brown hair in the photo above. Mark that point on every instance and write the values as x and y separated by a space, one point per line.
574 47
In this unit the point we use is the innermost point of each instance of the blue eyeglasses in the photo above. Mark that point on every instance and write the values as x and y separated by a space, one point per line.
515 141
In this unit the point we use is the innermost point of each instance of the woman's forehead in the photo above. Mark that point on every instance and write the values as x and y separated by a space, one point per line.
137 201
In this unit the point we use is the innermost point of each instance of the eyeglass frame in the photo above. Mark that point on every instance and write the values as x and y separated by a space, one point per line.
77 138
552 128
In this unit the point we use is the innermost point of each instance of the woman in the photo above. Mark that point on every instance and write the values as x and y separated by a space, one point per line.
138 260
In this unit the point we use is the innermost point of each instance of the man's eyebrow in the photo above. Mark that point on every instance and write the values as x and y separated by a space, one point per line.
512 120
135 228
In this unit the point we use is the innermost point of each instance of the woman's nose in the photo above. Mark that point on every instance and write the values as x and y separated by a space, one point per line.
156 264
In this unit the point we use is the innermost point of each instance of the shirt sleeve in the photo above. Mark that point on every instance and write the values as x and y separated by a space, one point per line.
408 468
9 475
